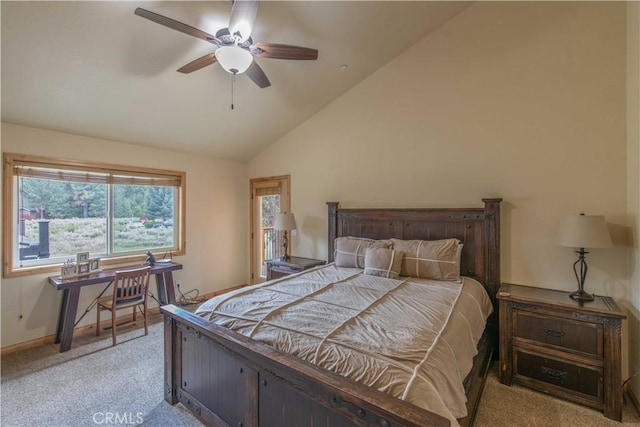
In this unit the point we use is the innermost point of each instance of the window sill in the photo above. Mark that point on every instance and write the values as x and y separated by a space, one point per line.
54 269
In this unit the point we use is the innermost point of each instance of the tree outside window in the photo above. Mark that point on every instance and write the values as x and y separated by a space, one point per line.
105 210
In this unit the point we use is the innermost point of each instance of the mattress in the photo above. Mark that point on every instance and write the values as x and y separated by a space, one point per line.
413 339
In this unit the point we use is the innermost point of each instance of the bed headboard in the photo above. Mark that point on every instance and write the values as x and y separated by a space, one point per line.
477 228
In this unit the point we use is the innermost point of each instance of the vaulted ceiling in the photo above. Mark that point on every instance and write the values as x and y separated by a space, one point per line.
96 69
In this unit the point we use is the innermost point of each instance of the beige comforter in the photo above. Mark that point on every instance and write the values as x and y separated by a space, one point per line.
411 338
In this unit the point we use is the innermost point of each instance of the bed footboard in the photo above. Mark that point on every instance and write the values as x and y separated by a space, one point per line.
226 379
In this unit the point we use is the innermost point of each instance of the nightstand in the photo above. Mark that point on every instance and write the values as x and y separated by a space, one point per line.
278 267
566 348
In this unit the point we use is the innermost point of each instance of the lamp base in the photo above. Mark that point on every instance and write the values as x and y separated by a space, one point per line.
581 295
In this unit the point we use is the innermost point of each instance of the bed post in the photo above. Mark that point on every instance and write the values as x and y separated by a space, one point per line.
333 229
171 362
492 246
492 263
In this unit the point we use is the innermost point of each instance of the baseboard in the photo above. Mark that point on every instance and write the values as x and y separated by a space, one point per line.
50 339
204 297
222 291
37 342
634 399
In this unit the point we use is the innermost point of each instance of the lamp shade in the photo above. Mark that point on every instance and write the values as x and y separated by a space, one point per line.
285 222
233 59
584 231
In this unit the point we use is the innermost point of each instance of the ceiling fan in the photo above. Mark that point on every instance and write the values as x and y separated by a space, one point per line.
235 49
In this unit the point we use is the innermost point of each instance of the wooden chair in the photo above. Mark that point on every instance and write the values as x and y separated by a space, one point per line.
129 290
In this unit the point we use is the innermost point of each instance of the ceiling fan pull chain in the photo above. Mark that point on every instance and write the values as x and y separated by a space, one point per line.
233 79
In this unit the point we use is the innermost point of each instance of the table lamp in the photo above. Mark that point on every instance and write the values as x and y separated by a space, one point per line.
583 231
285 222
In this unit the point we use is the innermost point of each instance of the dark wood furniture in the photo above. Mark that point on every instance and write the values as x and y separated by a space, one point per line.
279 267
70 288
227 379
566 348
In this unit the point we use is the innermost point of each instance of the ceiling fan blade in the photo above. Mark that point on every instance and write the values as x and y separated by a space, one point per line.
178 26
201 62
255 73
283 51
243 15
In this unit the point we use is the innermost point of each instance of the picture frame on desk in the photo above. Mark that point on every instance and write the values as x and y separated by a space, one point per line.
82 257
84 268
94 264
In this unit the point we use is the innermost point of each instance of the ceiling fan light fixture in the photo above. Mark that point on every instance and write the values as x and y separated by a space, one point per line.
233 59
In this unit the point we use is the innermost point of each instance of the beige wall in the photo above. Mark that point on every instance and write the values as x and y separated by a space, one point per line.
633 185
526 101
216 225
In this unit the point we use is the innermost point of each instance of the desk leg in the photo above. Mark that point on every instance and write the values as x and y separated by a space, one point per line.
166 291
169 287
63 309
162 296
67 318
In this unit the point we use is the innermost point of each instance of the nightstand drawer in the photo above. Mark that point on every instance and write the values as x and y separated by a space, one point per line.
584 337
278 267
287 270
585 380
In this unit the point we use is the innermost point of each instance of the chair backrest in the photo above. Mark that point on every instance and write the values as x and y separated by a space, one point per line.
131 284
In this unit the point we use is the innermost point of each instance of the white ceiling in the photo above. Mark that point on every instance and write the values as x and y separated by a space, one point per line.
96 69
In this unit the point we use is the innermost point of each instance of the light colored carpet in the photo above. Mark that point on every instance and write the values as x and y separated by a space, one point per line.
41 387
92 384
519 406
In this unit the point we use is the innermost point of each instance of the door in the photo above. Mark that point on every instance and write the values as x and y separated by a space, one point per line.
268 197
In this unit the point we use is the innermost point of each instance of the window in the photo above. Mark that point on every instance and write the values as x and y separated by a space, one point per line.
54 209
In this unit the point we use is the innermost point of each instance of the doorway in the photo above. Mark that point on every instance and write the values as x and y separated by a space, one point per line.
269 196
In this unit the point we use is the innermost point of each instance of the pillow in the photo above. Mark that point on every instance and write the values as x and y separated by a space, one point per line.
459 256
429 259
383 262
349 251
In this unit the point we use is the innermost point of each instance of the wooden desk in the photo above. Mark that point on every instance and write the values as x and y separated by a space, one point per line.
71 294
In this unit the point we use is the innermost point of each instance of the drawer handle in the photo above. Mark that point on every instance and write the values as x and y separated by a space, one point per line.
553 333
553 373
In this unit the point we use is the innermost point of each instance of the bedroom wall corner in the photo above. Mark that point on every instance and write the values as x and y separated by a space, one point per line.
633 191
216 225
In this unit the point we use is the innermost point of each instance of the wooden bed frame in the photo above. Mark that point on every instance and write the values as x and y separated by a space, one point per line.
227 379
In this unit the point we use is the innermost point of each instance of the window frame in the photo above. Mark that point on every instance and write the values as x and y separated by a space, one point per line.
9 226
